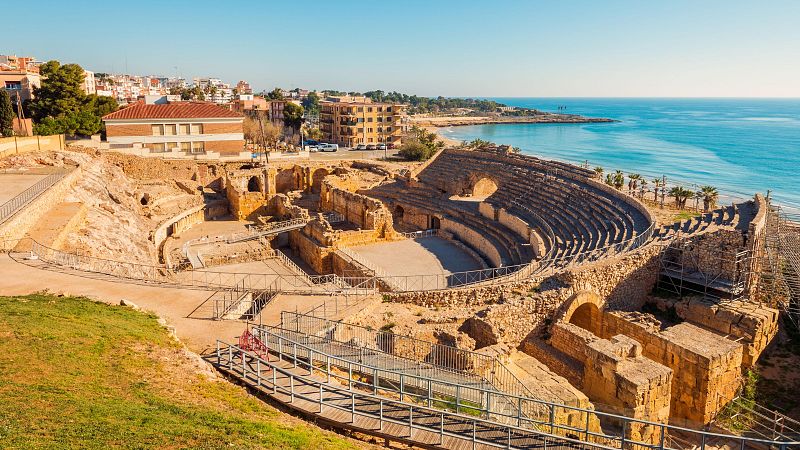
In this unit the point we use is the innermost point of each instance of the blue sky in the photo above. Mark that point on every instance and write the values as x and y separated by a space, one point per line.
454 48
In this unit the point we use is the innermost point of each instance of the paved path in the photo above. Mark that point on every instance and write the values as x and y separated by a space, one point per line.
183 309
12 185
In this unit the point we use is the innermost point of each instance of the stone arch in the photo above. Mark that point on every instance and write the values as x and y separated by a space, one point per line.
254 184
483 187
436 223
584 309
316 179
397 214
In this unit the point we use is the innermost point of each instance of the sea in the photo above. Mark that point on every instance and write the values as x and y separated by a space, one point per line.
740 146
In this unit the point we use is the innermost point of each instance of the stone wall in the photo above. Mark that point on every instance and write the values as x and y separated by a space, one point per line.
18 145
474 240
706 366
751 324
337 195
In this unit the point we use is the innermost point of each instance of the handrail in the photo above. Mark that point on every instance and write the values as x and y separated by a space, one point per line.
15 204
307 355
452 359
225 361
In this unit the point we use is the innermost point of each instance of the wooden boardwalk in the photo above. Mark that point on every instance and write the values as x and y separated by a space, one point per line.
362 411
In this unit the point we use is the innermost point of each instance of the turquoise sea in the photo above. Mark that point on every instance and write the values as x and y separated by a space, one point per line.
741 146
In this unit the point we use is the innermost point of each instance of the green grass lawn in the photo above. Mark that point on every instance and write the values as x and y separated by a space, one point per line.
80 374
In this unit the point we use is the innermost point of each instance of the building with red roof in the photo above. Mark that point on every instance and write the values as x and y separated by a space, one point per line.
176 127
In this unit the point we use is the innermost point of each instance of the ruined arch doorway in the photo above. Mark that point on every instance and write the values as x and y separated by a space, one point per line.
316 179
253 184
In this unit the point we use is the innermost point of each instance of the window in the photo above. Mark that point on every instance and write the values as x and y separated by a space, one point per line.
369 140
360 130
380 108
170 129
388 109
380 119
197 128
369 130
158 130
380 130
369 119
171 145
388 129
198 147
186 147
183 129
157 147
369 109
361 109
13 86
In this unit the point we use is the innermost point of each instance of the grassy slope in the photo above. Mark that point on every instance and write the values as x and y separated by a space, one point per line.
80 374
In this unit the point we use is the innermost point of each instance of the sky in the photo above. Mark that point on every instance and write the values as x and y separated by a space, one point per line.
599 48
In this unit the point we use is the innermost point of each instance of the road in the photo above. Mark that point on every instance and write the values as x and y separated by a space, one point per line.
348 154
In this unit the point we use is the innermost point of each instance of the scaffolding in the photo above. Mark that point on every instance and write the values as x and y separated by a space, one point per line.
779 284
725 275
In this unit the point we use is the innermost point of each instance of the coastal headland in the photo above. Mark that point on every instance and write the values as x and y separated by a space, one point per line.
454 121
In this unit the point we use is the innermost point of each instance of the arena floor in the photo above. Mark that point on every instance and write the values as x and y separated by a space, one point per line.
430 255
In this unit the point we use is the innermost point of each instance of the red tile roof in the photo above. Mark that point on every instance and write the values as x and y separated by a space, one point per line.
178 110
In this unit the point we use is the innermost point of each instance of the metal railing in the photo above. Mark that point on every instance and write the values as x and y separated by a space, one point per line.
11 207
420 234
407 352
474 403
256 231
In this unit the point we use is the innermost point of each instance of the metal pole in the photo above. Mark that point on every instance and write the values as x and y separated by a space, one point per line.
410 421
291 387
380 417
320 398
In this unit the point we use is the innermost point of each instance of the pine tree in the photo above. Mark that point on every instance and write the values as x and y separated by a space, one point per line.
6 114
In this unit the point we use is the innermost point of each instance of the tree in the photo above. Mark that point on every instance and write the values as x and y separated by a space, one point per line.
599 171
619 179
311 103
60 105
275 94
633 181
478 143
313 133
710 195
61 93
420 144
252 133
680 194
656 184
293 116
6 114
271 134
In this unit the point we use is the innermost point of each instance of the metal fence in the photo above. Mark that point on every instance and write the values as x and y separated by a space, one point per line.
468 402
10 207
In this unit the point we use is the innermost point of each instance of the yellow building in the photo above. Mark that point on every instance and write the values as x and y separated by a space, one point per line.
349 121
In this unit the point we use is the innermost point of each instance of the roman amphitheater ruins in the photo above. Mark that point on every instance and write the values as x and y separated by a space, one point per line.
482 299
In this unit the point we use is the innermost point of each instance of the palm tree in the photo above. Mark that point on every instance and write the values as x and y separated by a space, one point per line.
657 184
642 187
599 171
710 196
697 196
619 179
634 181
609 179
680 194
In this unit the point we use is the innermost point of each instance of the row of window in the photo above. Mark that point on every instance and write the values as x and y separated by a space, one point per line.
372 130
189 147
180 129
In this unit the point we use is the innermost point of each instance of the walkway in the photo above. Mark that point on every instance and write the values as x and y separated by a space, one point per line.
313 393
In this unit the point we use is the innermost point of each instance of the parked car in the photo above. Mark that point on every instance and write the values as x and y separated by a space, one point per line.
370 146
390 146
328 147
361 147
311 142
312 148
382 147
